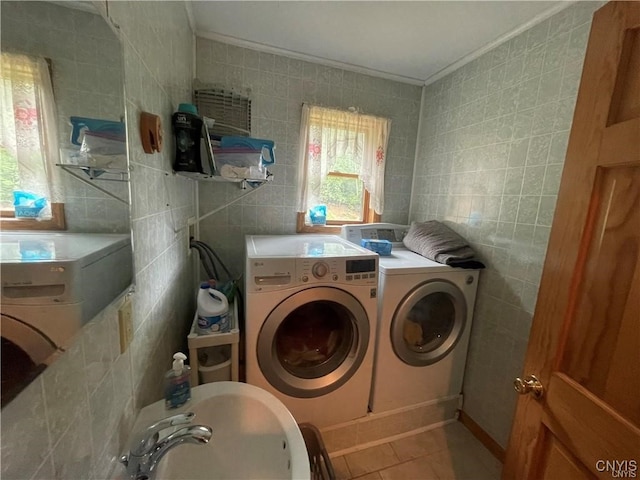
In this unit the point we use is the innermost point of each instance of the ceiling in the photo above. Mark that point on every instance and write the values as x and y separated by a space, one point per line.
415 41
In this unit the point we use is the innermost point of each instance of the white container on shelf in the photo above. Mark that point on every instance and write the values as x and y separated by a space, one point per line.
213 311
214 364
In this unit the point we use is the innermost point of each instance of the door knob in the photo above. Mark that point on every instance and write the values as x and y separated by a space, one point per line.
530 384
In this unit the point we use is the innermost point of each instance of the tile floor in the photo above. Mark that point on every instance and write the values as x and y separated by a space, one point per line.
446 453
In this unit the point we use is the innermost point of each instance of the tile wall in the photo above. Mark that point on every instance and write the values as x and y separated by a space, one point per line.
74 419
491 150
279 86
86 59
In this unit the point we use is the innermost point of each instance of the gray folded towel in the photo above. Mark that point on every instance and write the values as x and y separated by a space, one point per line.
439 243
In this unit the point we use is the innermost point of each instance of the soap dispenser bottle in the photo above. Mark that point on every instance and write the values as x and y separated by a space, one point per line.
177 390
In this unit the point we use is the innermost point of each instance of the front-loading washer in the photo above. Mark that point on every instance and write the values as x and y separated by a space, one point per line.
424 321
311 309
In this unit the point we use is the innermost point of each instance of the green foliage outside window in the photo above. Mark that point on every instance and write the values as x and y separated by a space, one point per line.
343 195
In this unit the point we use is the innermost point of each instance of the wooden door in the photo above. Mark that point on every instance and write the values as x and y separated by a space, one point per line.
585 339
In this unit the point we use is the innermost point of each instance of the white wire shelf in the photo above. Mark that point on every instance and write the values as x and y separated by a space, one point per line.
91 173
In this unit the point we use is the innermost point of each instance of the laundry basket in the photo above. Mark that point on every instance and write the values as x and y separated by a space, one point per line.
321 468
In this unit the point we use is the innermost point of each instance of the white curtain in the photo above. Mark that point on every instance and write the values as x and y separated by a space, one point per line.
325 135
28 131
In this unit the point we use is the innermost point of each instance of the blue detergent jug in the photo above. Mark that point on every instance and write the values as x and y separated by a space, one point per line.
266 146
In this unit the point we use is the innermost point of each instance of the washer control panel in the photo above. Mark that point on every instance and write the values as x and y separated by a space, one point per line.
277 274
362 271
320 270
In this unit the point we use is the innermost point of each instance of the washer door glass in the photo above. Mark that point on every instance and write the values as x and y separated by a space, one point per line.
314 339
313 342
428 323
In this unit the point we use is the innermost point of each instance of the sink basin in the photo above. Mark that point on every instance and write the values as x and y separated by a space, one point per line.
254 436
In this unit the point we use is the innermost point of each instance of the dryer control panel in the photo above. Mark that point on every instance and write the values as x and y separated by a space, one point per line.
374 231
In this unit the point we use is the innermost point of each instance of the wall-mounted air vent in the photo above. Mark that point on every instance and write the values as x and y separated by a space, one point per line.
230 110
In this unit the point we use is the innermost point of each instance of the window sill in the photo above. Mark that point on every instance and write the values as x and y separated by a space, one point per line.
325 229
332 228
57 222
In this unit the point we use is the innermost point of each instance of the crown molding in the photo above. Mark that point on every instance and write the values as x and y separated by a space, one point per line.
307 58
231 40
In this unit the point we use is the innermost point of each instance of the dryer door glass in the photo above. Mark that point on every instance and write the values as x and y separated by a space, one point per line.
428 323
313 342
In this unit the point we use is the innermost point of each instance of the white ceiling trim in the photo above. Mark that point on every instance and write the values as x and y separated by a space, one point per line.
85 6
503 38
188 7
307 58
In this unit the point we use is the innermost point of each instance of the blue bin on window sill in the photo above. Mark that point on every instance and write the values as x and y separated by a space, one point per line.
27 212
318 215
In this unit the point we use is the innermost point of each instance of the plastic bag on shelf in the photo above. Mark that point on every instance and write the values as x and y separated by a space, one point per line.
104 150
240 163
82 125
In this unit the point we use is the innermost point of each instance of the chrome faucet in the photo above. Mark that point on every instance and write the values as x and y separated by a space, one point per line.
148 448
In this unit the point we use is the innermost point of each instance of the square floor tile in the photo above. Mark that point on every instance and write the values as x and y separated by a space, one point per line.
458 463
370 476
340 468
371 459
418 445
418 468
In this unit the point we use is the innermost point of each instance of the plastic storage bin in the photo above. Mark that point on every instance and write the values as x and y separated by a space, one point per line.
214 364
264 146
318 215
27 212
381 247
198 343
238 163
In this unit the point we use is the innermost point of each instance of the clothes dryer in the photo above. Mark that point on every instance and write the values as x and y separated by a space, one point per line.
311 308
425 312
52 284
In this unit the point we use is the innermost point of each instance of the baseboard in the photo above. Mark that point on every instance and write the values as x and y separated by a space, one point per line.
484 438
393 438
379 428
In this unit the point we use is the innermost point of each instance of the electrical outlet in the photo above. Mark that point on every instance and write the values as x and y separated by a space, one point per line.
125 324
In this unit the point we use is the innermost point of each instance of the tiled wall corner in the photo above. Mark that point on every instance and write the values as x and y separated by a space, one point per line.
74 420
490 155
158 44
279 85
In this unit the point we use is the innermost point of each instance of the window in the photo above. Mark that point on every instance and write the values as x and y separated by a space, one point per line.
28 133
342 161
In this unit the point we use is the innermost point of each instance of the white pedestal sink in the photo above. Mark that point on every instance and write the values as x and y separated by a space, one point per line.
254 436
